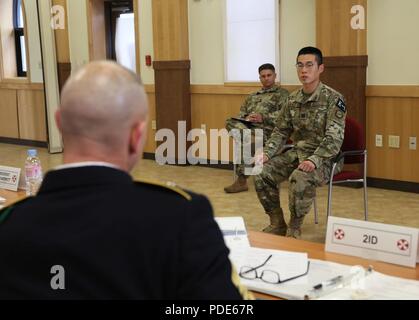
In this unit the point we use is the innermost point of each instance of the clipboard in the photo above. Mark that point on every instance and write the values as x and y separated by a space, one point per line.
243 120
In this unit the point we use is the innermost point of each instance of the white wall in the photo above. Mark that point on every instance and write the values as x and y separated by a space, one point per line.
393 42
146 39
78 33
206 32
33 41
297 30
206 41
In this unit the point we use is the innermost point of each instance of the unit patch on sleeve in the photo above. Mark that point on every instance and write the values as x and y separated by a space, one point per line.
341 105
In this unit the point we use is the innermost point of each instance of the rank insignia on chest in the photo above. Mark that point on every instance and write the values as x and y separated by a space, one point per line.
303 115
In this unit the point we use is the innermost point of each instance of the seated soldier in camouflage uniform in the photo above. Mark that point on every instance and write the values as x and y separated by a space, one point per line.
261 109
314 118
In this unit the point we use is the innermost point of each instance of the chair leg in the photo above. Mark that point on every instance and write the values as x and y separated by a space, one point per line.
365 187
329 199
329 193
316 215
365 201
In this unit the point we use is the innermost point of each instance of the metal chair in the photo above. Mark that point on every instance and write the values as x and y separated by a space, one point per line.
353 152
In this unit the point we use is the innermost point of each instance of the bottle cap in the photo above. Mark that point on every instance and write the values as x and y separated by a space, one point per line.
32 153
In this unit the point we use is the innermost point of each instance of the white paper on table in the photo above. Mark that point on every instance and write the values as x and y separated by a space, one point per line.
234 231
378 286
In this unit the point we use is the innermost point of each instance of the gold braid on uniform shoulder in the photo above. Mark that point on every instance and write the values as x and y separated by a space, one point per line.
168 186
6 211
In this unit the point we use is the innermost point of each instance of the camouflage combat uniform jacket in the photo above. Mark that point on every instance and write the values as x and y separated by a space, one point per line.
316 125
267 102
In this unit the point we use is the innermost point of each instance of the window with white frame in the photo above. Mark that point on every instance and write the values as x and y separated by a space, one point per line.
19 33
251 38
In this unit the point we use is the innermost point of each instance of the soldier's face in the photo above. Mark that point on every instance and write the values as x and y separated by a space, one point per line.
267 78
308 69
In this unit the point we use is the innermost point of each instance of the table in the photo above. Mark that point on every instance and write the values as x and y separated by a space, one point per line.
11 196
316 251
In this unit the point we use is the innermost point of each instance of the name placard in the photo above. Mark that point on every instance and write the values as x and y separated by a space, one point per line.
9 178
371 240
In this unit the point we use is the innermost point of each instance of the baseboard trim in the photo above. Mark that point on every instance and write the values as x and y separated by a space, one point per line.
149 156
23 142
396 185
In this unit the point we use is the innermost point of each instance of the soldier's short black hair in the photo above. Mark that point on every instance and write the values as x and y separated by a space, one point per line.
312 50
266 66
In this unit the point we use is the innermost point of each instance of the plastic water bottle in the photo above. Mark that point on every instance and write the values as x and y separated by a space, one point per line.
33 172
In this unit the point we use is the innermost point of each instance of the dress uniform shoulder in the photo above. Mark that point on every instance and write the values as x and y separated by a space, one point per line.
5 212
168 186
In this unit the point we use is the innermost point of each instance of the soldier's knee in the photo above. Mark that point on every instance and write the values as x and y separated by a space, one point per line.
263 177
259 181
297 175
300 180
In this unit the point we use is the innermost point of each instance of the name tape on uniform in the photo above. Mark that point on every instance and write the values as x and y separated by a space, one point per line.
371 240
9 178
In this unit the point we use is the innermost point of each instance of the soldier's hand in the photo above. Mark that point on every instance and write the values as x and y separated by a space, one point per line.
261 158
307 166
255 117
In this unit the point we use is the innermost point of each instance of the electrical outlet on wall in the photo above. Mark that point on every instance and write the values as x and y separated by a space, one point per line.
412 143
394 141
378 140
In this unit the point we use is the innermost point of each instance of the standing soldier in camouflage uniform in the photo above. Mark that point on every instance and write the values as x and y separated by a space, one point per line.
314 118
261 109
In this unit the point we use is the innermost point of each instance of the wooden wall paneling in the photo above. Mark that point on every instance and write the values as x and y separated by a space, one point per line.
64 72
173 100
171 65
228 89
393 116
410 91
8 114
212 111
21 84
170 30
348 76
334 34
32 118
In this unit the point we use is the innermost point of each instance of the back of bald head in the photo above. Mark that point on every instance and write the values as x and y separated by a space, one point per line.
101 103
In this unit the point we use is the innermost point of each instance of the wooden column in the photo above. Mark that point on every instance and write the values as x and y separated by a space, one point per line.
172 64
170 30
334 34
345 52
62 48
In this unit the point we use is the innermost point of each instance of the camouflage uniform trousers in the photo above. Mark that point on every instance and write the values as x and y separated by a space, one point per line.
241 141
302 185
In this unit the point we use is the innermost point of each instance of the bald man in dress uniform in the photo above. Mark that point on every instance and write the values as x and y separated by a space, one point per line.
92 232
